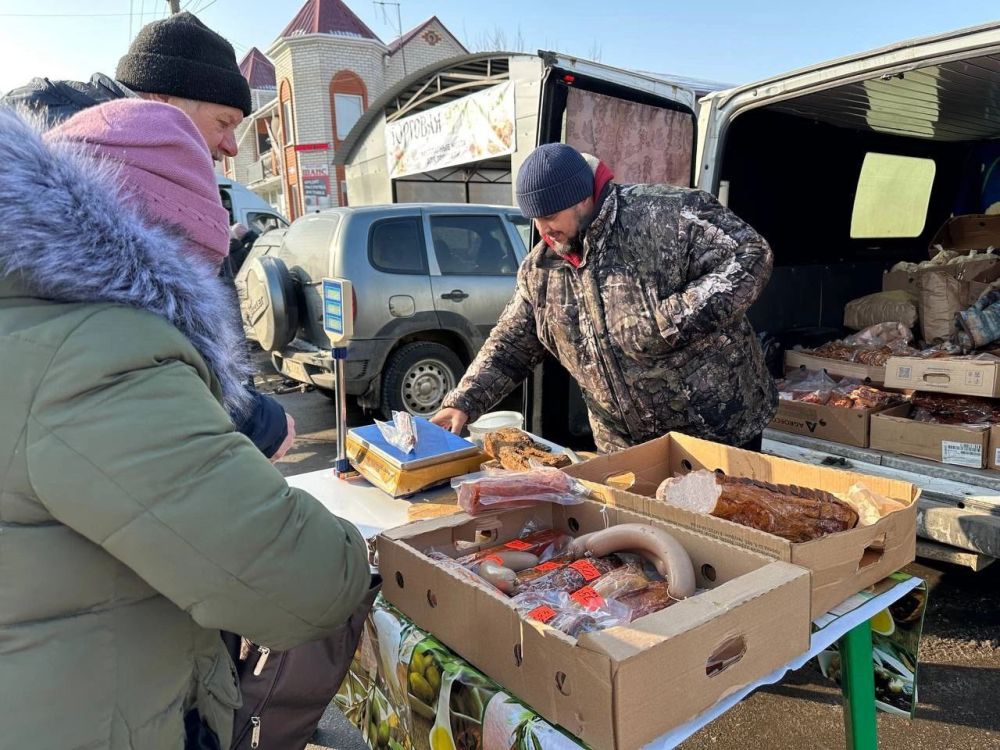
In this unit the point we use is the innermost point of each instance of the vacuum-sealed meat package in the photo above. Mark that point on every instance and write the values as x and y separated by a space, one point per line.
509 490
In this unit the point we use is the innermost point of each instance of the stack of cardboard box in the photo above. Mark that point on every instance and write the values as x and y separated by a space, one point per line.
975 445
943 289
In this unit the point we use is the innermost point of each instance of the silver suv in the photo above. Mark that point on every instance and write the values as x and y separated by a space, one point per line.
430 282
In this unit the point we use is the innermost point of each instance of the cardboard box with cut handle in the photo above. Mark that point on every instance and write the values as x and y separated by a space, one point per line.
621 687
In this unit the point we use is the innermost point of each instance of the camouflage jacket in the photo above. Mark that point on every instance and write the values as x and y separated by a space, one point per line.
652 325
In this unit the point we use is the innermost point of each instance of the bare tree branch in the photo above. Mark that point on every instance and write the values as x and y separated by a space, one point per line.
496 39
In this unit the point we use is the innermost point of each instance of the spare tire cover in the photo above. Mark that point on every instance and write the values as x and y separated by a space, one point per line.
271 308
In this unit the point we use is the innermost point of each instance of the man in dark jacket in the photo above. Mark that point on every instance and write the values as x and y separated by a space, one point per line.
641 292
181 62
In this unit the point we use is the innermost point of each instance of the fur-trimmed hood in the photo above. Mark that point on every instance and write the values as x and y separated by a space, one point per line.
69 236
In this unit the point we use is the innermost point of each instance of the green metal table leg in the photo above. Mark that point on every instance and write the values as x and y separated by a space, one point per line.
858 684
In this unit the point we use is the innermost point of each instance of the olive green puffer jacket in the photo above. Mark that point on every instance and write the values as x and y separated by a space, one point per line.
134 522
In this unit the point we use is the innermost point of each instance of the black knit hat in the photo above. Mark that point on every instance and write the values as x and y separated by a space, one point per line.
553 177
181 56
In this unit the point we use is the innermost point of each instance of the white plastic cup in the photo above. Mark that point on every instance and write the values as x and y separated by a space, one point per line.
495 420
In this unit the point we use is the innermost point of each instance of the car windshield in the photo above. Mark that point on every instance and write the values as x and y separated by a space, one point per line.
263 222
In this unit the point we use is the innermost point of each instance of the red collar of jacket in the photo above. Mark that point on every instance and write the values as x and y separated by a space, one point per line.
602 176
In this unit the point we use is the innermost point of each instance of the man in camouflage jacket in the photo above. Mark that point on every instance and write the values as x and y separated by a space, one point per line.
641 292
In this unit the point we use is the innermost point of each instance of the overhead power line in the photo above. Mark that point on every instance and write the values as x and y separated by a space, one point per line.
76 15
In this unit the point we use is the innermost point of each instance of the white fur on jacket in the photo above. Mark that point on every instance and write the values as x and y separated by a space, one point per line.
69 233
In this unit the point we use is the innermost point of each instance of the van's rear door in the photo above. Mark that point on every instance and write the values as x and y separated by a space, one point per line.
643 126
797 156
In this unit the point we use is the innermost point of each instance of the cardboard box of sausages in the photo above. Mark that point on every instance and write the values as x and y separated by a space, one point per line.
572 644
849 530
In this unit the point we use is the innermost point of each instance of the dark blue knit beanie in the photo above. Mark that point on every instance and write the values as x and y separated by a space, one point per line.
553 177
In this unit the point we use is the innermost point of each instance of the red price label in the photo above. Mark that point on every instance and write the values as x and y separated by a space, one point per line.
518 545
542 614
588 598
587 569
548 566
493 559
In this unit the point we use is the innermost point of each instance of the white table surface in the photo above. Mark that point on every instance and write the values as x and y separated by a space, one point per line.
361 503
373 511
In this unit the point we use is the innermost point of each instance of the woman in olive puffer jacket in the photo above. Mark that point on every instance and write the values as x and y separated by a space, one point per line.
135 523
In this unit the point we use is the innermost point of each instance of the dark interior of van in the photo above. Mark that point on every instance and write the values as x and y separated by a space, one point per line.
801 198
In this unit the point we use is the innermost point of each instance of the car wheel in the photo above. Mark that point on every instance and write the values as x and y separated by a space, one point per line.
417 377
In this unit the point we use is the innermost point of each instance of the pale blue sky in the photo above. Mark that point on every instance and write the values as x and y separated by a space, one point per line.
731 41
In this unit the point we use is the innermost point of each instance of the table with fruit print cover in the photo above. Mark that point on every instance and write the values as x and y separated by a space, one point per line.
407 690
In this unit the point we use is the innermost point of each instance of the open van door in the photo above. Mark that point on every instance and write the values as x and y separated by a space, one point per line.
643 126
911 88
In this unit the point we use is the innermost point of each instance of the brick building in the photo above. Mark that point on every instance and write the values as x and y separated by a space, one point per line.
311 87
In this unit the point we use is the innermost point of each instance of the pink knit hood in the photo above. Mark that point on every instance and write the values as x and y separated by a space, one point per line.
165 166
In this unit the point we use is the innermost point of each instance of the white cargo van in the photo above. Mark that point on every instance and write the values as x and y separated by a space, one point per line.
248 208
847 168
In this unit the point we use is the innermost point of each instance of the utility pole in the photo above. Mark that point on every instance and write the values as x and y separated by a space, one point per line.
399 27
175 6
